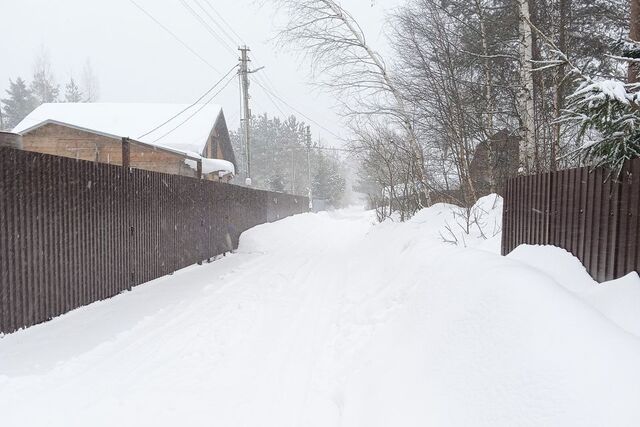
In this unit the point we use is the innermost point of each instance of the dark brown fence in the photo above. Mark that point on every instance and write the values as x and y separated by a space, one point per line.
581 210
74 232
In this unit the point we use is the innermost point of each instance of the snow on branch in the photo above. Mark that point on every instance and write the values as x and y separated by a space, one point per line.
610 109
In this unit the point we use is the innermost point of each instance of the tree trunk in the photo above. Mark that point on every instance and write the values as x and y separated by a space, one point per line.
525 96
488 93
564 7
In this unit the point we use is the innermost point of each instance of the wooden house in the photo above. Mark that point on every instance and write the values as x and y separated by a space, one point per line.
169 138
494 162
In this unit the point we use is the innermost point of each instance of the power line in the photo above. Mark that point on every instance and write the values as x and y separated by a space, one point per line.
197 111
284 115
318 147
174 35
297 111
264 79
208 27
190 106
215 22
224 21
267 81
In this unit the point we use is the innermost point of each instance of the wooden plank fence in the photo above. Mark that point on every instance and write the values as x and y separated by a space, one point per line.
73 232
588 213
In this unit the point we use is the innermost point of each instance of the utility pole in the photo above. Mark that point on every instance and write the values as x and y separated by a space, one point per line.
309 166
244 79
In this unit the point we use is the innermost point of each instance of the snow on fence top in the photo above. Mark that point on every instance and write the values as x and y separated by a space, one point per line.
212 165
133 120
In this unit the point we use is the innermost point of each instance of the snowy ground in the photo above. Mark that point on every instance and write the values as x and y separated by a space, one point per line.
330 320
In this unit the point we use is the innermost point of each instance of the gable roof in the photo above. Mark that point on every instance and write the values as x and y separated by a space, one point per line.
133 120
223 141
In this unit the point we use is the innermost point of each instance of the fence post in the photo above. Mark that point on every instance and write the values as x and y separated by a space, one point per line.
126 220
126 153
201 209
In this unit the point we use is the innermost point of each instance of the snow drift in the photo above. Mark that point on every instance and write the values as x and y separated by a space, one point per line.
618 300
331 320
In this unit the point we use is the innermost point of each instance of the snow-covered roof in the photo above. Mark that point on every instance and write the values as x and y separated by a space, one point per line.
133 120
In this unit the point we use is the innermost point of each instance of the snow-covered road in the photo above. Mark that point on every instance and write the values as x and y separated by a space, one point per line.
329 320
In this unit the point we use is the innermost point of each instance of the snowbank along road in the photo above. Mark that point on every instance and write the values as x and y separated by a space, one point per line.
330 320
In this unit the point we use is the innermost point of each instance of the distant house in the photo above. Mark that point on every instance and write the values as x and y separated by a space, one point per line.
494 162
196 139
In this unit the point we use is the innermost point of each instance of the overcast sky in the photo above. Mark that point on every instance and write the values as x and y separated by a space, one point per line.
137 61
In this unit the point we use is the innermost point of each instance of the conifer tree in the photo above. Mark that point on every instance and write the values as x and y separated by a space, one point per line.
72 92
608 115
18 104
328 182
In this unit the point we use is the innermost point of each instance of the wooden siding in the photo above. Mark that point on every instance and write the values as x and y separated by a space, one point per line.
79 144
74 143
151 159
219 143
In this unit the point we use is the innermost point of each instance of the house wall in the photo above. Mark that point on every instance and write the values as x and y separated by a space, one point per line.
494 162
149 158
219 144
83 145
74 143
210 148
223 141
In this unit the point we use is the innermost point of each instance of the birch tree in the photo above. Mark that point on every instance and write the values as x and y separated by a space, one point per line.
43 86
526 108
90 85
335 44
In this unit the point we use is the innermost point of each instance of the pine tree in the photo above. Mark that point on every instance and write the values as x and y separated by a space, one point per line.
608 115
320 184
279 159
608 111
44 89
328 182
18 104
72 92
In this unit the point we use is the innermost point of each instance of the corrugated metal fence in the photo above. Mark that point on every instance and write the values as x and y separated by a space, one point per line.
74 232
580 210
